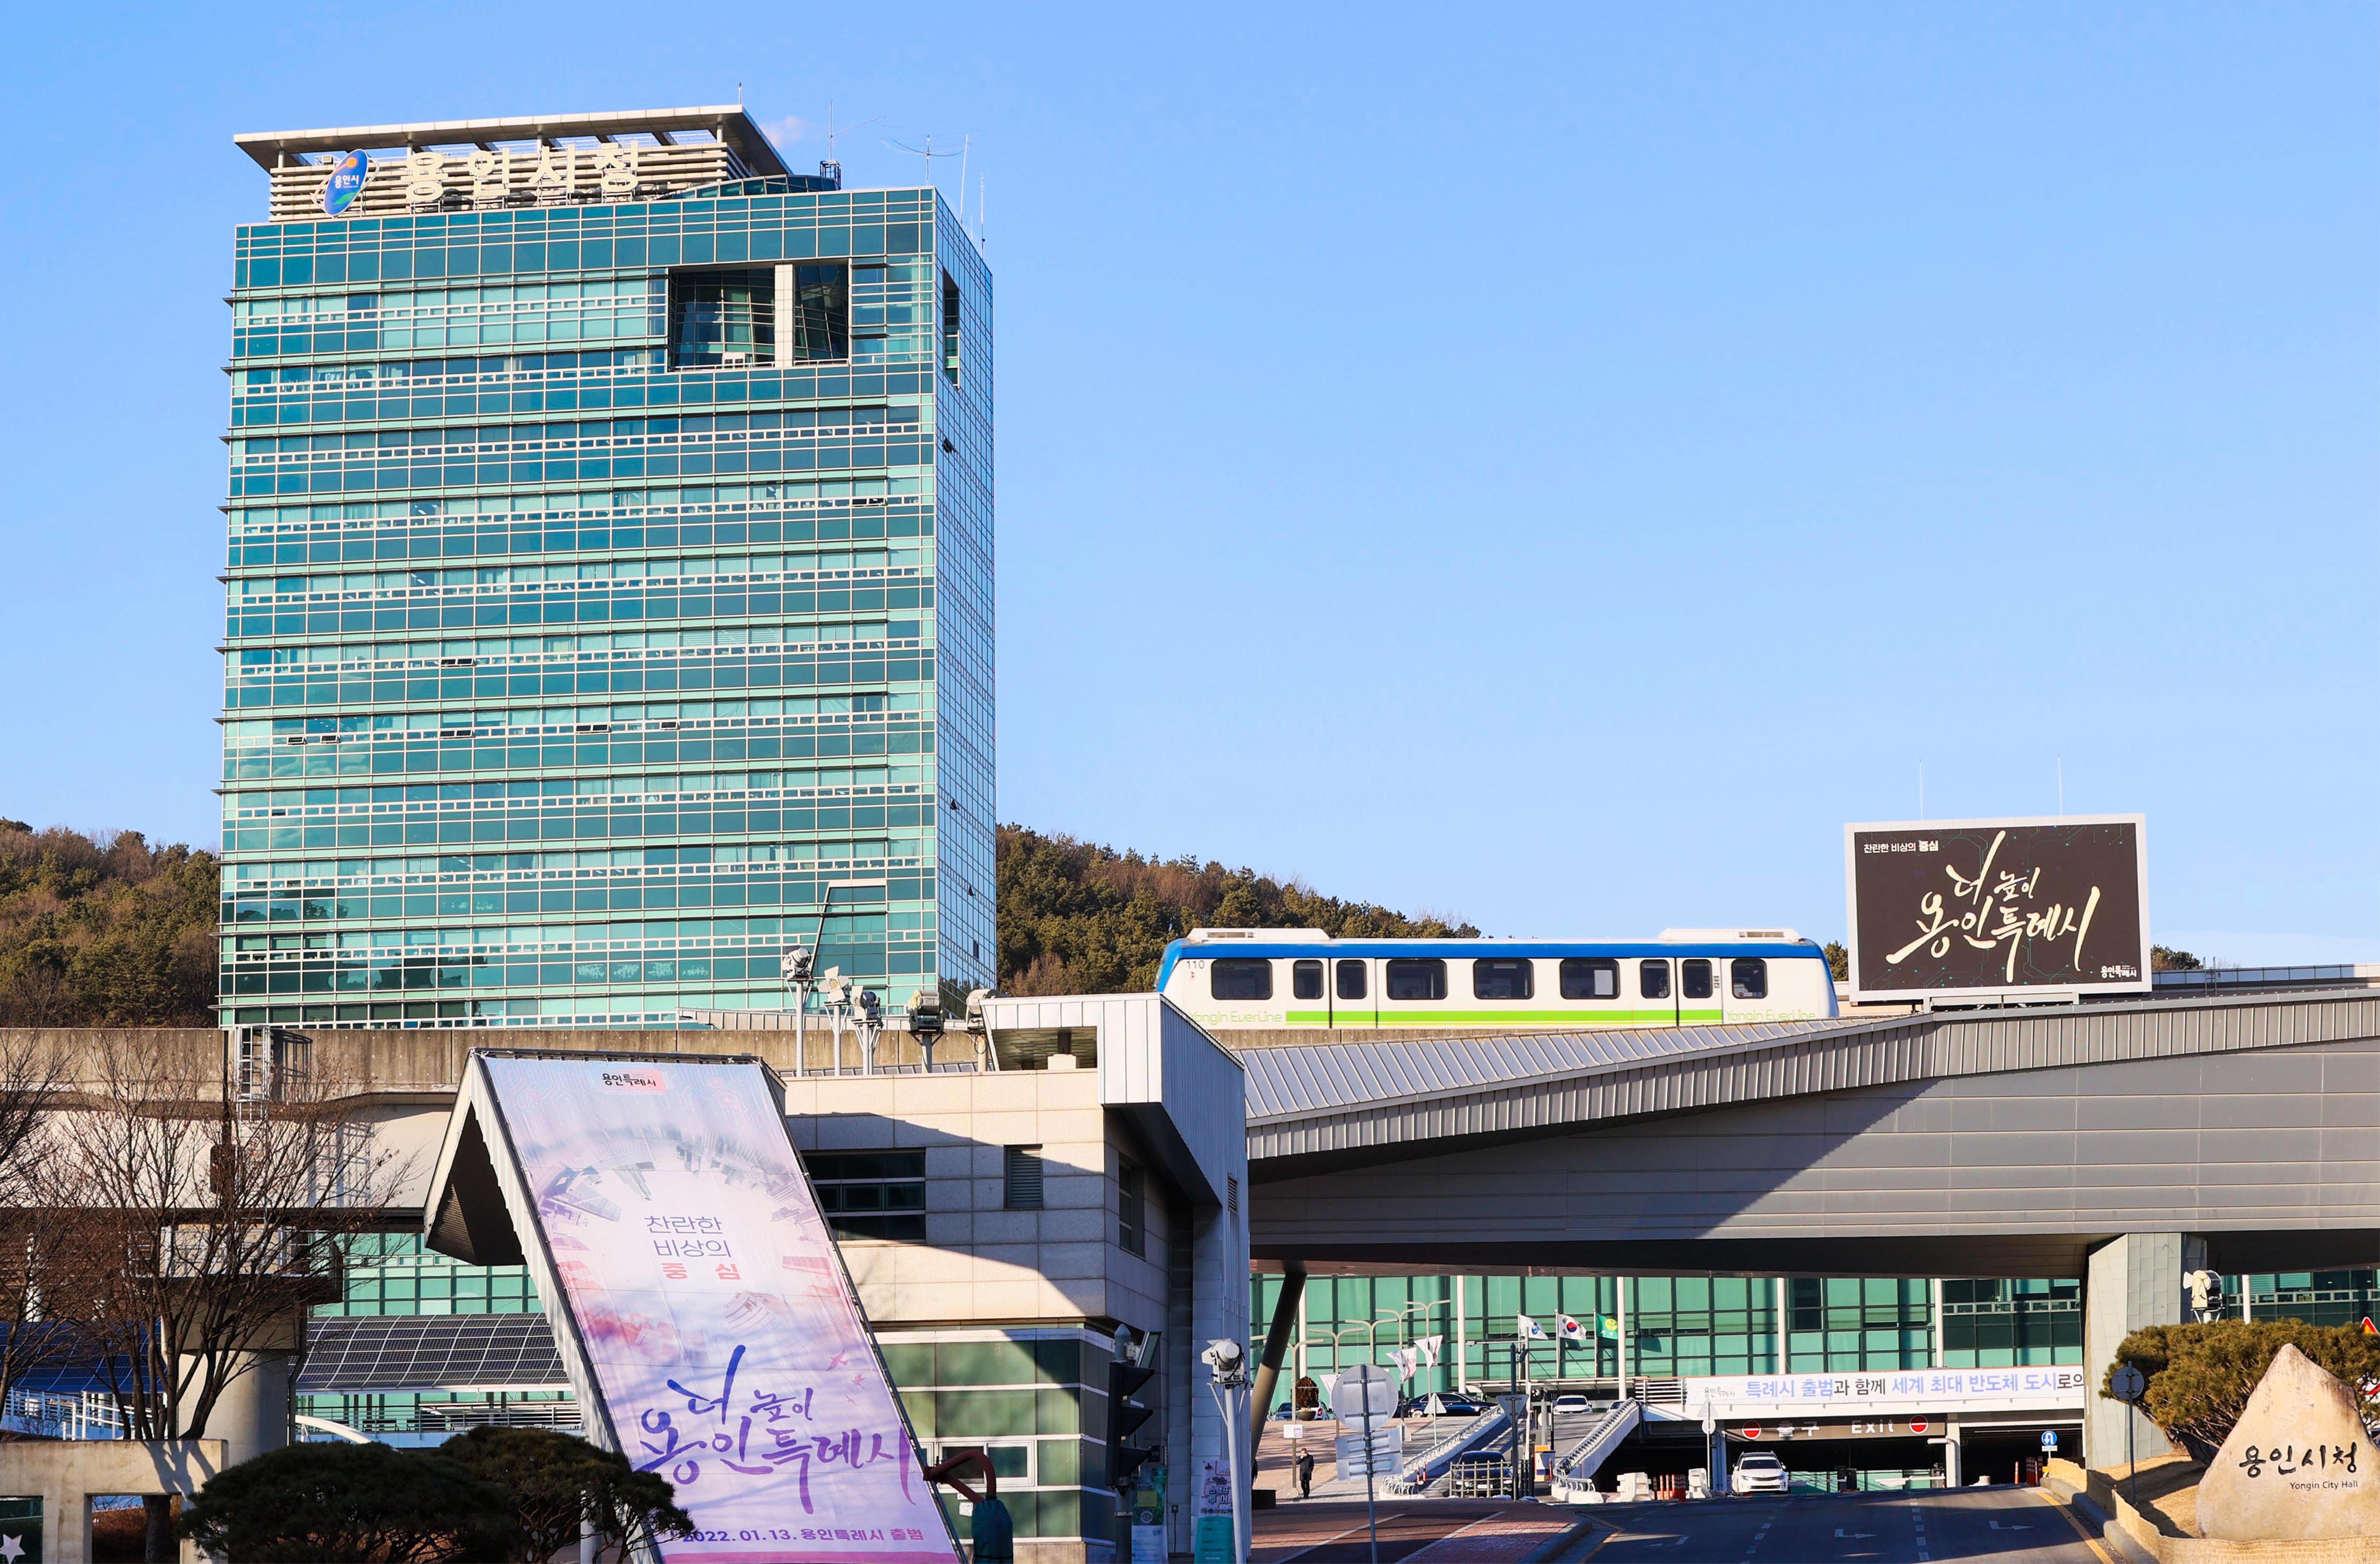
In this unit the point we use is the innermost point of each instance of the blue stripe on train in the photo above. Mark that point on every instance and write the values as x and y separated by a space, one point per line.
1478 950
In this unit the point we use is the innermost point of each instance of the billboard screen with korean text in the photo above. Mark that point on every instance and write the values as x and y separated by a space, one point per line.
703 1293
1941 907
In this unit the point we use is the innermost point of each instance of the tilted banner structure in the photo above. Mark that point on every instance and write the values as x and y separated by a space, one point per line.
703 1314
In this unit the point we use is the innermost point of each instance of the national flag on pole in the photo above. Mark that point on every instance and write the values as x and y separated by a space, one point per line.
1529 1329
1571 1329
1407 1360
1429 1346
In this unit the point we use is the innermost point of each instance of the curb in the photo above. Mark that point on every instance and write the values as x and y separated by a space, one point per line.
1583 1537
2096 1522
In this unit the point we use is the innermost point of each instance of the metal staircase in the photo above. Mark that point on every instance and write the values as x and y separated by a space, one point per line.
1577 1466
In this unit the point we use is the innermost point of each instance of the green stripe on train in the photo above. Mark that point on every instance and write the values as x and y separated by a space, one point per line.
1504 1018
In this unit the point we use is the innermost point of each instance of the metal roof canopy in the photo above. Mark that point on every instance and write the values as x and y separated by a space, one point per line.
1978 1143
729 122
1338 1105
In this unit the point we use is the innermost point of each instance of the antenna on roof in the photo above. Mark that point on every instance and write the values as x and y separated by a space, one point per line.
925 151
832 133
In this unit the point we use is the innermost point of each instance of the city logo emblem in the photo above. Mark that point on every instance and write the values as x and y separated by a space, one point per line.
347 171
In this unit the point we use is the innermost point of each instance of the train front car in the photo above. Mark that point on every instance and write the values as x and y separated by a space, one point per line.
1271 979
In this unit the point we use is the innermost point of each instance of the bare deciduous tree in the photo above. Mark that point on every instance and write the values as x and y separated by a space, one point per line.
204 1205
31 1070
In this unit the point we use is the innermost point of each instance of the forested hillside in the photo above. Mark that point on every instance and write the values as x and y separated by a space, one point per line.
1079 918
102 932
111 931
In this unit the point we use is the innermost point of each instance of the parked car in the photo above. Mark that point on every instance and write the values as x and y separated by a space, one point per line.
1283 1413
1452 1403
1571 1406
1759 1473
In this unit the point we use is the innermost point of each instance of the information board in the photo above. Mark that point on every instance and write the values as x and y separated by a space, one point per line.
1211 1540
701 1293
2002 907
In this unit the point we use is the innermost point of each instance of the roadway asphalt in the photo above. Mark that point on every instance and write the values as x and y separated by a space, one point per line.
2003 1525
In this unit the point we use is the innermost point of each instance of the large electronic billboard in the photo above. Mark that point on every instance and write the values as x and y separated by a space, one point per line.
698 1295
1950 907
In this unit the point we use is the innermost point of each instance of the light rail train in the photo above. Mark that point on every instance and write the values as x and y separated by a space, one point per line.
1240 978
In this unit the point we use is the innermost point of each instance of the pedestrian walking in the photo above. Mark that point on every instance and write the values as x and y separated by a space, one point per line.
1304 1467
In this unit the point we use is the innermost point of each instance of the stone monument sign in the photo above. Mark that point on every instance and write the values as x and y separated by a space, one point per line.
2298 1465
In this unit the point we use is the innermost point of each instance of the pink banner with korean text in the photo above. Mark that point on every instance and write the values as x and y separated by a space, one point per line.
696 1292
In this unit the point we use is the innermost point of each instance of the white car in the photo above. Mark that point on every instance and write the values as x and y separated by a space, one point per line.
1571 1406
1759 1473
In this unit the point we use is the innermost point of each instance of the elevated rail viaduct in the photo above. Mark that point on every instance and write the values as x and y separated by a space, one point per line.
2126 1143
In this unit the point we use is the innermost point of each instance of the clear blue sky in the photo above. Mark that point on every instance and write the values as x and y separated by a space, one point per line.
1554 468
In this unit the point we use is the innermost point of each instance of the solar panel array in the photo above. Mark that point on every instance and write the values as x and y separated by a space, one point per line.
365 1354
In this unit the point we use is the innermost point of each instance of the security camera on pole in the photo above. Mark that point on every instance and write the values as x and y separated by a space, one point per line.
834 991
1227 1362
794 968
871 1026
926 1024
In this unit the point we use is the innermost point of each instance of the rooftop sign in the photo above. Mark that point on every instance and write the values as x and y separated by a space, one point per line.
348 172
1997 907
528 159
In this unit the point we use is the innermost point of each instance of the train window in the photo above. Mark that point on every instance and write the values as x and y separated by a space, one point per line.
1503 977
1416 979
1305 979
1695 978
1653 979
1748 977
1585 980
1351 980
1240 978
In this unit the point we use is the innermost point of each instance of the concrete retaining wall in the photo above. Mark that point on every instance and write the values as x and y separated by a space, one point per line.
2067 1480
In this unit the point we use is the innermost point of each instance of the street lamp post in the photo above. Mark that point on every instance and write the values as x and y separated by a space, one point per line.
1371 1331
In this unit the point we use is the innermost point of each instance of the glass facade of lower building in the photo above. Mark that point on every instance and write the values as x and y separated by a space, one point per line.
1687 1327
2330 1298
609 601
1032 1399
1673 1326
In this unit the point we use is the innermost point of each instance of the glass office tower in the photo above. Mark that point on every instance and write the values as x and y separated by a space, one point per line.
609 596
